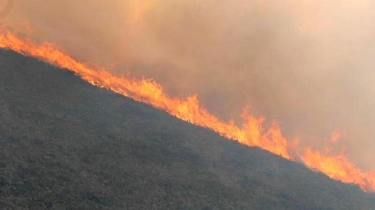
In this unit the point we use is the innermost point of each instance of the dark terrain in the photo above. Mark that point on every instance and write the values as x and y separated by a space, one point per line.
65 144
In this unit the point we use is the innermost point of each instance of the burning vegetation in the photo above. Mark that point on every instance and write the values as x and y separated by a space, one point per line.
252 132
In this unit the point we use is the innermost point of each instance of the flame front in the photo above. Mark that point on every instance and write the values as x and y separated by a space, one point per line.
251 133
340 168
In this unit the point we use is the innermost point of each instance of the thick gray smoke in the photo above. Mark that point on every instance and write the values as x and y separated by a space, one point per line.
307 64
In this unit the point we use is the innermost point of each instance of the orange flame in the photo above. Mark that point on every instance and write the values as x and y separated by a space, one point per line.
251 133
340 168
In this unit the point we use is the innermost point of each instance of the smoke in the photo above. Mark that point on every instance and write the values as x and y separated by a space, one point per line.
306 64
7 8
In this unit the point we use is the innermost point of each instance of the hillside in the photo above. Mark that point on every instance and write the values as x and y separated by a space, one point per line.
65 144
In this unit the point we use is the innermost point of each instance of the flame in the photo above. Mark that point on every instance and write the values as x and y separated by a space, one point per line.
339 167
251 133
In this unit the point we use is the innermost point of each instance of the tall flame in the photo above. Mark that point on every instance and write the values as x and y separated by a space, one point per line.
251 133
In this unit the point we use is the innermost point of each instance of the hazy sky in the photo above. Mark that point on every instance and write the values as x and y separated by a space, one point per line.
307 64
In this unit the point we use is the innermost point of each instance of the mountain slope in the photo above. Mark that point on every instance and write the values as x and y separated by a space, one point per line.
65 144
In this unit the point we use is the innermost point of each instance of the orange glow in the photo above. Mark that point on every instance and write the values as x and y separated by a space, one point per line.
339 167
336 135
138 9
251 133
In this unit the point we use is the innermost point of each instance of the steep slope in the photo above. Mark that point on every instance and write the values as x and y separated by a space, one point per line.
65 144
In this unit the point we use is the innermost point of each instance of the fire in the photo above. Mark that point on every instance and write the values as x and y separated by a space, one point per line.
251 133
339 167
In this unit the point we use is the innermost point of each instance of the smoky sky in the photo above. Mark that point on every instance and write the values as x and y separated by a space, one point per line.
7 7
306 64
